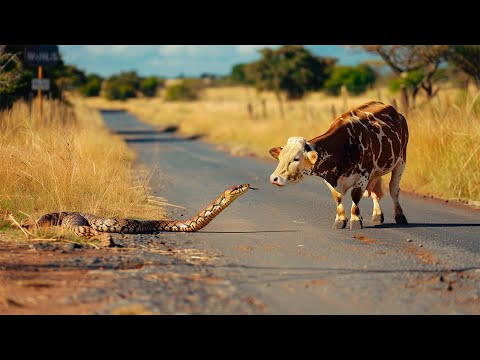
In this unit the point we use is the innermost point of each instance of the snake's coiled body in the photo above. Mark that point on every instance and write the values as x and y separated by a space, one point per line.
88 225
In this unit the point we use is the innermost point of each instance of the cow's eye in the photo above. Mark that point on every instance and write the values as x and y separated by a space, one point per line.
297 158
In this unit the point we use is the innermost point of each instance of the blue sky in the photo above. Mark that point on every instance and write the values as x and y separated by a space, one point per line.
191 60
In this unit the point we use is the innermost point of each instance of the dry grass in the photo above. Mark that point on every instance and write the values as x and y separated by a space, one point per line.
444 148
443 153
68 162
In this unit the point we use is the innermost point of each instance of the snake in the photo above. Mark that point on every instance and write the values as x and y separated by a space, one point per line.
89 225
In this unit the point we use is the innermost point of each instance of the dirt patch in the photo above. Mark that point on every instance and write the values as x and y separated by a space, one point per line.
252 301
365 239
145 276
425 256
245 248
31 284
315 283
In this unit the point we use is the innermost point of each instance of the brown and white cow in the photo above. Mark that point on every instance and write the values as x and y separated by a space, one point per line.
359 147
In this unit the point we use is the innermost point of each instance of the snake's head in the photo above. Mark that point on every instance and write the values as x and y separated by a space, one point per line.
235 191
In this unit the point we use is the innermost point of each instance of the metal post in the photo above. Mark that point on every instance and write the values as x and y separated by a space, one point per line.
40 75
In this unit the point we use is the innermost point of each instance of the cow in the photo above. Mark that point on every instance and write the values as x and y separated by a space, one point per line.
360 147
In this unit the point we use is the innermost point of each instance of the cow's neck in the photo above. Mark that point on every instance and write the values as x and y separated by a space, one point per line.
326 166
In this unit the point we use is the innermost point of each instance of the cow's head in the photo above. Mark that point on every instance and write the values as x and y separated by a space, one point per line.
295 160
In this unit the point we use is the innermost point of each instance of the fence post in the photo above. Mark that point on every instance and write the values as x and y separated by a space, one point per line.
404 98
393 101
334 111
264 108
250 110
344 94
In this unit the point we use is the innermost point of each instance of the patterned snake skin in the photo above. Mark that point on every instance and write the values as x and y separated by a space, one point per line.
88 225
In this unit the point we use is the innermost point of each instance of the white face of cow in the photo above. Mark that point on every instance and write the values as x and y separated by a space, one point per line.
294 161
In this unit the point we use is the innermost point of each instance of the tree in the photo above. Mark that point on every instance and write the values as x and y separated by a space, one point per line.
355 78
186 90
20 84
291 69
148 86
9 68
466 58
403 59
122 86
92 86
238 75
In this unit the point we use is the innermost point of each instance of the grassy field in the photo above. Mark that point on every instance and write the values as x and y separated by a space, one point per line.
67 162
443 152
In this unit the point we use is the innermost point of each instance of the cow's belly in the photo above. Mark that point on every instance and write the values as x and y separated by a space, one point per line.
383 171
346 182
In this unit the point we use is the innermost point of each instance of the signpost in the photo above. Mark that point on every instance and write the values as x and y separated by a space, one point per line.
41 84
41 56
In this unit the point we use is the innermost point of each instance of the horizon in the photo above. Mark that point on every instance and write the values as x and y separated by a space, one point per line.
170 61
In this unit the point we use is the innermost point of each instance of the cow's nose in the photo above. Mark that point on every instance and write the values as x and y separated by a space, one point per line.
273 178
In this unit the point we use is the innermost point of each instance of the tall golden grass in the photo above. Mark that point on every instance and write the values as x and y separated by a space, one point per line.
66 162
443 152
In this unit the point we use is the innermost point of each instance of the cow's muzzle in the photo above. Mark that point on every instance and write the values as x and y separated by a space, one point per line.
278 180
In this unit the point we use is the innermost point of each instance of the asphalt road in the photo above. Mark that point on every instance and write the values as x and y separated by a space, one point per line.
278 247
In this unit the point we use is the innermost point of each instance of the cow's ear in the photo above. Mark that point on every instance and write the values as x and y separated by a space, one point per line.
275 151
312 156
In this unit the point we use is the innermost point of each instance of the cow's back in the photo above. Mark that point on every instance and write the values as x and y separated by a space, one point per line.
372 137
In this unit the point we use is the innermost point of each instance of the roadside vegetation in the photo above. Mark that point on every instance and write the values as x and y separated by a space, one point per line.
290 93
66 161
443 152
287 92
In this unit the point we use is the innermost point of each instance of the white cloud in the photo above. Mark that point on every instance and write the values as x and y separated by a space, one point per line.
171 49
250 49
210 50
194 50
132 50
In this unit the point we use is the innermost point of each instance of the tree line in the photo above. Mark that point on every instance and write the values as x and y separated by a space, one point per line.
290 71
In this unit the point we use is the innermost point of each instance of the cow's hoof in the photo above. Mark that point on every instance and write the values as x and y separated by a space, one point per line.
340 224
356 224
401 219
377 219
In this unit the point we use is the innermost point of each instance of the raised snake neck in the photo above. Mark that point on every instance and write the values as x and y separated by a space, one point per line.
88 225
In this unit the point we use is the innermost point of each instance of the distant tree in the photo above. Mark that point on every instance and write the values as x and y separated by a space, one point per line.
291 69
77 77
355 78
186 90
122 86
467 59
20 84
238 75
9 68
92 86
149 85
403 59
207 75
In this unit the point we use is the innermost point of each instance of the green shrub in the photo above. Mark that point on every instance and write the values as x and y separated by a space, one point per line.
149 85
356 79
92 86
411 80
122 86
188 89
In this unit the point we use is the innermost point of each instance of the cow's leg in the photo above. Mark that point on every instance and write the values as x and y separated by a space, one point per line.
357 193
395 191
377 194
340 218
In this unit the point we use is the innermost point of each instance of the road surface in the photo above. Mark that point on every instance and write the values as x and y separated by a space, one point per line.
278 248
273 251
